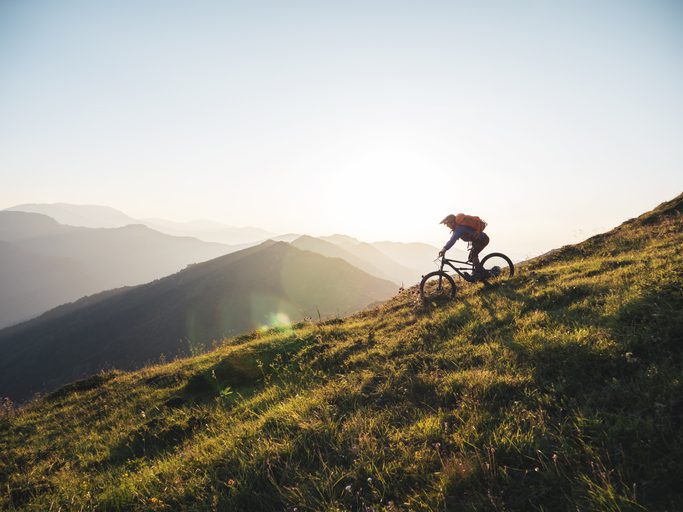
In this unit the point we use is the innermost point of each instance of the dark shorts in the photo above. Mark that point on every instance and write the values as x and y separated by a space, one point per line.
478 245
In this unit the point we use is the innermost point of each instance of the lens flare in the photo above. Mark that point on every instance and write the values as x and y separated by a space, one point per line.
278 321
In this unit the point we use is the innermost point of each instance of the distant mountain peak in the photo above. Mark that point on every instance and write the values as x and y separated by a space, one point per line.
341 239
84 215
18 225
307 238
21 215
138 227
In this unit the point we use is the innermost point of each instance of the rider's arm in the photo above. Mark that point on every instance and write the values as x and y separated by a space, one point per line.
457 233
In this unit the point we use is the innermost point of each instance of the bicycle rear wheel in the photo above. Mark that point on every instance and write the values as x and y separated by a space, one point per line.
497 267
437 287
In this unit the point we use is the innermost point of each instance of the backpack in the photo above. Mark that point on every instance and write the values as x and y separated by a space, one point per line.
471 221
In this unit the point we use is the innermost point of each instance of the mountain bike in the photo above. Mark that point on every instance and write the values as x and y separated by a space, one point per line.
439 285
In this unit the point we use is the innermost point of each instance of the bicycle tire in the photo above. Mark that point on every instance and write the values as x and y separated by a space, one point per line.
442 293
498 266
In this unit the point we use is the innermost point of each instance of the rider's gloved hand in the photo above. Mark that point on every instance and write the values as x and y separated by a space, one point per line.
442 253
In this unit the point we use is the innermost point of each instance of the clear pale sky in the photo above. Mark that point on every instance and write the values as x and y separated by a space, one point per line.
551 120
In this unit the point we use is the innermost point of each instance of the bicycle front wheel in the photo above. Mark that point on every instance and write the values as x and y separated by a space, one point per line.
497 267
437 287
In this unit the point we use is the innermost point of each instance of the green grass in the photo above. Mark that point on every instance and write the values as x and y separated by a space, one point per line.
559 390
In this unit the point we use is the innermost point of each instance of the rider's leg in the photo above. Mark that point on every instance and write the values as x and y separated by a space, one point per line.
477 246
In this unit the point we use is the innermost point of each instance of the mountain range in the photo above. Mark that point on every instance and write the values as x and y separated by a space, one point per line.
273 283
44 264
98 216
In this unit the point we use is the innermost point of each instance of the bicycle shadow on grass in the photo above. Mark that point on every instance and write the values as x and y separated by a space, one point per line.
565 345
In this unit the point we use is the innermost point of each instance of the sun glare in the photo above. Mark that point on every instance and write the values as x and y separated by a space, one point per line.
376 191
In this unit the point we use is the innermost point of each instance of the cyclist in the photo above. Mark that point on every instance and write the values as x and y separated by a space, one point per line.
477 239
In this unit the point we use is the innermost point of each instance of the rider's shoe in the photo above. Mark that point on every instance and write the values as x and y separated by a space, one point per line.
468 277
479 275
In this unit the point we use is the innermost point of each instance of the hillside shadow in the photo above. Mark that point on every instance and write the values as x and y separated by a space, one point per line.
561 362
154 437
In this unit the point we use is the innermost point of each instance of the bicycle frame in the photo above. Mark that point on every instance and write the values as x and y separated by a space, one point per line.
445 261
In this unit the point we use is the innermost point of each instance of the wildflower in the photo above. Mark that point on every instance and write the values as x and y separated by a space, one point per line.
348 488
369 480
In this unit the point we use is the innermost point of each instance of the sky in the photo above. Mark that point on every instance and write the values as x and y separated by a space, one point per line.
553 121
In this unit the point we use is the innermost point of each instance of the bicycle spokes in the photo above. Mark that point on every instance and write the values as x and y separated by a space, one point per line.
497 266
437 286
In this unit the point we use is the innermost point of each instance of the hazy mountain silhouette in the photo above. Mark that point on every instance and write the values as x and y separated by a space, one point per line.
44 263
32 283
373 256
399 262
97 216
286 237
332 250
84 215
181 313
341 240
16 225
416 257
210 231
51 263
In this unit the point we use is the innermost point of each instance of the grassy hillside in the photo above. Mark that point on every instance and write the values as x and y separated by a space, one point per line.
559 390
